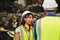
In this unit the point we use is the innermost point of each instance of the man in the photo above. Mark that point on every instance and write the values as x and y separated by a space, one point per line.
48 28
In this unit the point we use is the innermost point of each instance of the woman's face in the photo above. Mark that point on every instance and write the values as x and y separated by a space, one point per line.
29 19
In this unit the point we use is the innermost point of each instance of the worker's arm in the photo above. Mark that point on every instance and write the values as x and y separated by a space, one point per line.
17 36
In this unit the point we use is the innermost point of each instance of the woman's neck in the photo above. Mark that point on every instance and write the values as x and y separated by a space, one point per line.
27 26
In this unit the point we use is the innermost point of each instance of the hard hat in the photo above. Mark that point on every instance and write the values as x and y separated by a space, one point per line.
25 12
49 4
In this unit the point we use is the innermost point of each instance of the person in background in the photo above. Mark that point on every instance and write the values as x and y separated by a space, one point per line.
26 30
48 27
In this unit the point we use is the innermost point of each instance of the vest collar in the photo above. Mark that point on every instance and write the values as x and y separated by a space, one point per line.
51 14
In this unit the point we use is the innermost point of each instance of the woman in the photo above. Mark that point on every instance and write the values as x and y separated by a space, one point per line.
26 30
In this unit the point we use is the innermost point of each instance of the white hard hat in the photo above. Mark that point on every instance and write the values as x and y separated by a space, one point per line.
49 4
25 12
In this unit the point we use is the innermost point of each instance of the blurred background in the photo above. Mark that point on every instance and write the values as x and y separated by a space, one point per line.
11 11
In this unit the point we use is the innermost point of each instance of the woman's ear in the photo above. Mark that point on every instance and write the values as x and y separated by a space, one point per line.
24 19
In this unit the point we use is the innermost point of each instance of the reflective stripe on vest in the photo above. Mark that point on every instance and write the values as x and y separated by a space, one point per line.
38 29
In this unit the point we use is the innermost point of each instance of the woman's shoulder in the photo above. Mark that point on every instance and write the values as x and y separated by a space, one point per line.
18 29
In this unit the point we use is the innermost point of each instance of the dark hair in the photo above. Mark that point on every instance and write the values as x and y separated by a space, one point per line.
50 10
27 15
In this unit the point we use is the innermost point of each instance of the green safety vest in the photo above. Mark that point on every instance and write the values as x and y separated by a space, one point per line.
23 34
48 28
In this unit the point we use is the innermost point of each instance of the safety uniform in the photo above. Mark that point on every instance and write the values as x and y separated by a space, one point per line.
25 34
48 28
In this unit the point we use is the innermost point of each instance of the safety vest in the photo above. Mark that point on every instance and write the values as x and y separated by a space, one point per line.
48 28
23 34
